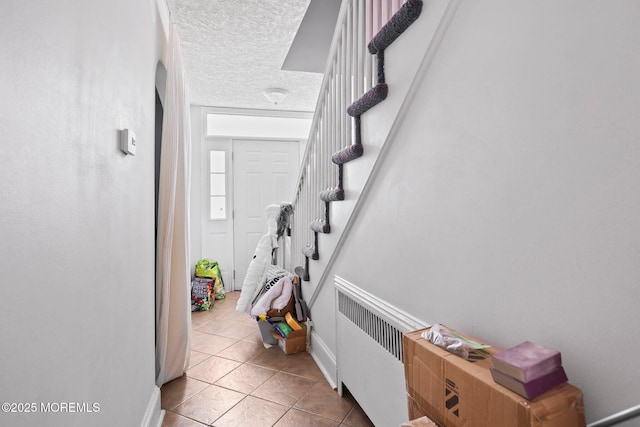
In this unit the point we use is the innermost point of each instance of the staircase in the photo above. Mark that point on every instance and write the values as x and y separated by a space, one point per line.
357 114
380 53
354 83
344 155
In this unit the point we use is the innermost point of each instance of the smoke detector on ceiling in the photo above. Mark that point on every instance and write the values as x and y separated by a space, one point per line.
276 95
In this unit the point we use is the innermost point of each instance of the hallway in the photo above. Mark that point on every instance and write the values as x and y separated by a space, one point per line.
234 381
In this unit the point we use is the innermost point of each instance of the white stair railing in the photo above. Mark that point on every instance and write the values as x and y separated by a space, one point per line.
348 74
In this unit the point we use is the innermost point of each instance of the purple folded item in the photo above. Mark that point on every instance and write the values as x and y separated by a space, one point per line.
527 361
534 388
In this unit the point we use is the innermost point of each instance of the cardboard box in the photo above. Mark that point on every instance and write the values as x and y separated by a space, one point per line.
456 392
295 342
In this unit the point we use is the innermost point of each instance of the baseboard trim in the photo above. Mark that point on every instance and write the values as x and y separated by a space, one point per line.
154 415
324 358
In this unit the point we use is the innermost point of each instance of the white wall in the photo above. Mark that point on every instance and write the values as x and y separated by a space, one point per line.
508 205
77 215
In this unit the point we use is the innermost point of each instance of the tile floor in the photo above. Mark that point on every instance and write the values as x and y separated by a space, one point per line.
233 381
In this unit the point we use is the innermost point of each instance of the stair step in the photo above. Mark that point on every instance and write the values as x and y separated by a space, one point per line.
332 195
370 99
399 22
347 154
311 251
320 226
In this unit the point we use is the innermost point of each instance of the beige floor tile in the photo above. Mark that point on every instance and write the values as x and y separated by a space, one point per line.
228 311
249 321
250 386
272 358
357 418
255 337
303 364
241 351
209 404
212 369
199 318
227 317
283 388
177 391
210 344
197 357
296 418
252 412
172 419
246 378
324 401
235 330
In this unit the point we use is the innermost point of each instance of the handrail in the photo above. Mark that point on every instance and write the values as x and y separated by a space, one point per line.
441 13
348 75
369 13
618 417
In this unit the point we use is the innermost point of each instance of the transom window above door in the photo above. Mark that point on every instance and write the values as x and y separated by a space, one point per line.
259 126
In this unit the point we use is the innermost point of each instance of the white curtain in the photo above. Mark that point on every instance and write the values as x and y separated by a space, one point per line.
173 274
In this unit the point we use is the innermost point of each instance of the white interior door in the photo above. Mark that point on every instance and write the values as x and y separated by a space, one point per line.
264 173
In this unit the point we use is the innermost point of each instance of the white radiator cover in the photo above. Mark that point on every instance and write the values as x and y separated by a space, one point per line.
369 352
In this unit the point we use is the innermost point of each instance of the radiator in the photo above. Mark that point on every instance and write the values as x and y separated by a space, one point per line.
369 352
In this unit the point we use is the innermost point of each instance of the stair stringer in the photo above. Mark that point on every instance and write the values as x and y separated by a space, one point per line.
406 61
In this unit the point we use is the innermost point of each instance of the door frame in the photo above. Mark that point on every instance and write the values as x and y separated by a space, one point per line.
200 178
226 144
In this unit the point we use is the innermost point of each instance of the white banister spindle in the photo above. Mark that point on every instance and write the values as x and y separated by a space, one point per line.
350 72
327 148
338 92
348 58
377 17
328 165
323 167
395 5
316 180
333 113
378 14
358 47
349 67
368 58
385 7
319 179
334 118
310 212
369 20
327 137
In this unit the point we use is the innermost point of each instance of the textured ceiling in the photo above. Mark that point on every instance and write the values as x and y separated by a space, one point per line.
234 49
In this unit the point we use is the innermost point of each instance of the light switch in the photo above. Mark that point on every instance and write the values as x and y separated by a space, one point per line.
128 141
